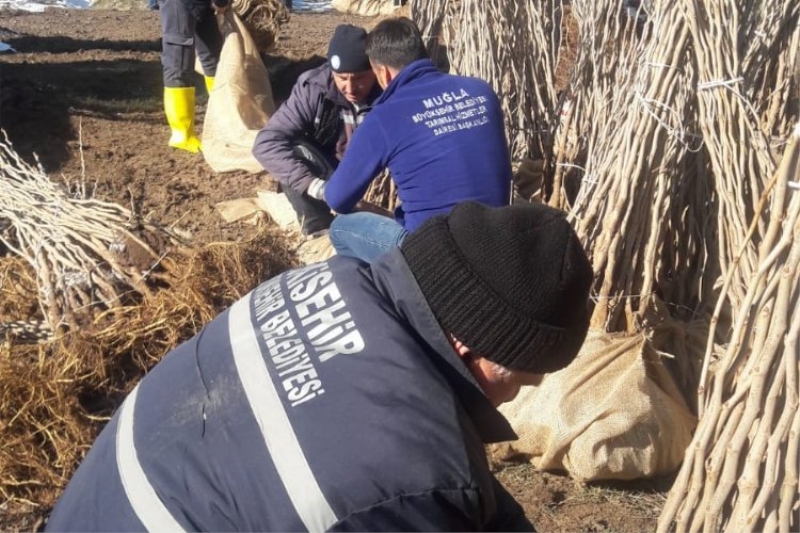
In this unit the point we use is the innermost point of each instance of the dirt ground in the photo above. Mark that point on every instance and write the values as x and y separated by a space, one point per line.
83 92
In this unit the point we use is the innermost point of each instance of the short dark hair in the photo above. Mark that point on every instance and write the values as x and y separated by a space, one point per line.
395 43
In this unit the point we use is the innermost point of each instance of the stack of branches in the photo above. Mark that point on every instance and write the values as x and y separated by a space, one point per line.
366 8
724 34
89 256
514 45
382 192
741 470
608 51
673 128
55 396
636 208
672 208
263 20
429 17
771 63
668 133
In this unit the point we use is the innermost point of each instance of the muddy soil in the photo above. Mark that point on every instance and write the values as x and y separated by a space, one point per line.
83 94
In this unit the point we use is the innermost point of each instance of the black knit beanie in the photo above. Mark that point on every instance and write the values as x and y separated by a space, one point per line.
347 49
512 283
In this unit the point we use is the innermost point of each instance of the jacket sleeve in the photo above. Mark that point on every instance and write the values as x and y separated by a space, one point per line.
273 147
444 510
364 159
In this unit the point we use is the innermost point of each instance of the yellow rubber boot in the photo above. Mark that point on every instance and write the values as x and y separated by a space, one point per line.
209 83
179 108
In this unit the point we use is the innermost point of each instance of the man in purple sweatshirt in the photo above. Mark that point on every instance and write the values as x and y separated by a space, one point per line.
441 137
304 140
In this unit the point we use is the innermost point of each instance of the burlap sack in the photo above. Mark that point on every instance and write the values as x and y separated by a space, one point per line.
239 104
614 413
365 8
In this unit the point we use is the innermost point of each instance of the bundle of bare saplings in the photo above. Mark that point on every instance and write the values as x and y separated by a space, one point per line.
263 20
662 147
93 296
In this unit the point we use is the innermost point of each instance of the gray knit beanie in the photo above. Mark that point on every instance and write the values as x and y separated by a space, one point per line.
512 283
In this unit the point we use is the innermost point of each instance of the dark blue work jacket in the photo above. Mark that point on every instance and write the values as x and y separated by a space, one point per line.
327 399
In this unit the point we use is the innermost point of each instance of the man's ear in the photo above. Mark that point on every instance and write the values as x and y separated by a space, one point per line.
388 75
382 74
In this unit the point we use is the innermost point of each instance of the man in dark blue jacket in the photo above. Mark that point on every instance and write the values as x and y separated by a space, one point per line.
304 140
187 27
349 397
441 137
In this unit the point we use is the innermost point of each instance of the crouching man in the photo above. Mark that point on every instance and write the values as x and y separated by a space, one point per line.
348 397
302 143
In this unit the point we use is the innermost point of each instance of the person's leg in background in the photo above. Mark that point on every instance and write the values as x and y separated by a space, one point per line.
177 60
365 235
208 45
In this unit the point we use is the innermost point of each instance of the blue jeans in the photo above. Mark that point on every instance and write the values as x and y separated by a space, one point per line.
365 235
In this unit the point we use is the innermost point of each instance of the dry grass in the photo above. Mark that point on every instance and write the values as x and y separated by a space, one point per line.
55 396
557 503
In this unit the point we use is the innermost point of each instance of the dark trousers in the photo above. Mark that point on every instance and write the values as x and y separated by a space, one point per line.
182 35
312 214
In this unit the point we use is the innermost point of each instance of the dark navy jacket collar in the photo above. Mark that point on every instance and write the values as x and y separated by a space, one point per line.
411 72
393 278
